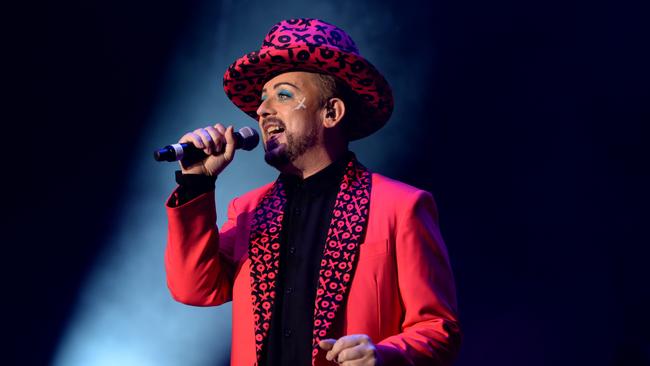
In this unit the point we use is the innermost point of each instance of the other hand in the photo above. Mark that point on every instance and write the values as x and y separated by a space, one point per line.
351 350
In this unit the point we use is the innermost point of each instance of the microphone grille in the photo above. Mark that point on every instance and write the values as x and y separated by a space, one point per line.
250 138
246 132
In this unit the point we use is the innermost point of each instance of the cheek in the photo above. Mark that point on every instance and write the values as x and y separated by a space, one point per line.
303 115
300 105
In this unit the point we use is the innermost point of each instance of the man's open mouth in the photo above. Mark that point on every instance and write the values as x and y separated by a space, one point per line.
274 130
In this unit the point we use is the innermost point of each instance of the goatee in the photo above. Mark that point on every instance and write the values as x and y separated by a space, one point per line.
280 154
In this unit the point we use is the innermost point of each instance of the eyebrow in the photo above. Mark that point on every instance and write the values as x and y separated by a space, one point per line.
281 83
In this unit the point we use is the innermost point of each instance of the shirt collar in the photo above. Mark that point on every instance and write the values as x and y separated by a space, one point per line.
327 178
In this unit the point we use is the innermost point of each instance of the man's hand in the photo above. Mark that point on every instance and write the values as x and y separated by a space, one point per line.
217 142
351 350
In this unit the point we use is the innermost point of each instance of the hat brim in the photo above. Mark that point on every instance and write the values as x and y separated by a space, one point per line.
245 78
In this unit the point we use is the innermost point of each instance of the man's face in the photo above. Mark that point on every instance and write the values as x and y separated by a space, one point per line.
290 117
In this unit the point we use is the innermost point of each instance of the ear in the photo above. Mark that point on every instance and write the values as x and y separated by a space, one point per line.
333 112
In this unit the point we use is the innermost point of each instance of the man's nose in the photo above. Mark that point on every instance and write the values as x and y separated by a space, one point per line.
265 109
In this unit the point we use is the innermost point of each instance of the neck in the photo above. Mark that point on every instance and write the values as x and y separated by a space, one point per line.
314 161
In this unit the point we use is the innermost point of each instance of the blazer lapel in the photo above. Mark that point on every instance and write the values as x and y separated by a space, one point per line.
346 230
347 227
264 254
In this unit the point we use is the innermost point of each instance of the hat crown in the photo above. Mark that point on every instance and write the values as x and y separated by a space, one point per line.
312 45
315 33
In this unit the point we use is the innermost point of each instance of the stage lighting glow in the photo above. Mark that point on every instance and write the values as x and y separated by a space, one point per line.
124 314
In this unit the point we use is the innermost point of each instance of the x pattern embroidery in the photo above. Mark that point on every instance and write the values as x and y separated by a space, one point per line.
349 220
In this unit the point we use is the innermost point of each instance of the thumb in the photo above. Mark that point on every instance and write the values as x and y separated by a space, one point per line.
327 344
229 153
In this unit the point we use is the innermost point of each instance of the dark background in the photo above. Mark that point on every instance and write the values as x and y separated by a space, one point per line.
539 140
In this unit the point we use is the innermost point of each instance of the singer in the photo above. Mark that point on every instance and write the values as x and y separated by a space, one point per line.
331 263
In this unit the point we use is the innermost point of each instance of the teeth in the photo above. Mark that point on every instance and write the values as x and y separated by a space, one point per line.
273 130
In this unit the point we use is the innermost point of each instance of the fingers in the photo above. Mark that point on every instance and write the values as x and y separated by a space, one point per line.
348 341
193 138
220 128
219 141
356 353
229 153
353 350
327 344
212 139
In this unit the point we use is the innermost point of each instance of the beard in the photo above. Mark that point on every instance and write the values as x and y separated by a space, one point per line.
281 154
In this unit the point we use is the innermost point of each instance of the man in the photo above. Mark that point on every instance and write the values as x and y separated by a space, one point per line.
330 263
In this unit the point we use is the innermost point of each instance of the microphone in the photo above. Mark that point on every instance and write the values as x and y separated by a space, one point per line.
246 138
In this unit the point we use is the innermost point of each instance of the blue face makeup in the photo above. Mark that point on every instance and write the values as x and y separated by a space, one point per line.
284 94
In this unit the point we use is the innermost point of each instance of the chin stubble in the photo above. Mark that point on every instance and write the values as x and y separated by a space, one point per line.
278 155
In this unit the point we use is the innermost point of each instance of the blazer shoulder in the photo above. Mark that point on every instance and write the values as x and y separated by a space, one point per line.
249 200
400 190
391 193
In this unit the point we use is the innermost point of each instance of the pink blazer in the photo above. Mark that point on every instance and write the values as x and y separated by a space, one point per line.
402 293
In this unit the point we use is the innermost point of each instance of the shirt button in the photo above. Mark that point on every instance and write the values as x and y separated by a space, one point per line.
288 290
292 250
296 211
287 332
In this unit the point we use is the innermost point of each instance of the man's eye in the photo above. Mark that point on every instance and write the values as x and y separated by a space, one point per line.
284 95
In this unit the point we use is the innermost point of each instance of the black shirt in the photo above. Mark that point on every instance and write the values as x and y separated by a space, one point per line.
305 224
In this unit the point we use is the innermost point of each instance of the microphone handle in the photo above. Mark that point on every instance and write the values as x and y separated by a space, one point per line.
192 154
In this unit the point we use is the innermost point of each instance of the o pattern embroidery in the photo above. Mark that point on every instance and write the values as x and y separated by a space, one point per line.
264 254
346 229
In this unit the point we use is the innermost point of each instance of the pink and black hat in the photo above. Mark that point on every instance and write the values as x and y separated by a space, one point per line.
316 46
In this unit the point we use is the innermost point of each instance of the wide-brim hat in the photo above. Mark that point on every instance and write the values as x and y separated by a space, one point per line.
316 46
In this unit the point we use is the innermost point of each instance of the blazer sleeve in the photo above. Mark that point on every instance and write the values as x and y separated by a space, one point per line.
430 330
198 259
